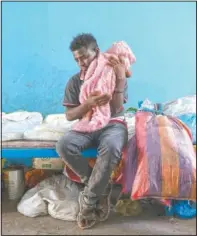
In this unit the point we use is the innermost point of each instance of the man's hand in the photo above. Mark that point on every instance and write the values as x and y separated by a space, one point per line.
119 68
85 109
95 99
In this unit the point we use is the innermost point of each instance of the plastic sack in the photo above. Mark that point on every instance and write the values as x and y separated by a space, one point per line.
54 118
185 209
166 161
53 127
15 124
182 209
190 121
146 104
180 106
41 133
58 123
32 204
56 196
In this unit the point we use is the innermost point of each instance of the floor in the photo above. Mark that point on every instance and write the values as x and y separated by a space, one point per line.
151 222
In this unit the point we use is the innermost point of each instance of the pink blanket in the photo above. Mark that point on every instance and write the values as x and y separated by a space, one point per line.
101 77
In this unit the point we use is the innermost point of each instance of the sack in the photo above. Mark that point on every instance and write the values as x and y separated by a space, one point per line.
185 209
58 123
56 196
180 106
42 133
190 121
15 124
182 209
52 129
166 161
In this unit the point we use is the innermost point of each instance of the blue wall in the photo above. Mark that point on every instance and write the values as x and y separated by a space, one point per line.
37 62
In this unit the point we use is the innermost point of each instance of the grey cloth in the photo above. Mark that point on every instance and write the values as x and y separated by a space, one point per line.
110 141
72 91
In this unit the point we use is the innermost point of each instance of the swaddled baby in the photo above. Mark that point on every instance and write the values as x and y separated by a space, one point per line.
101 77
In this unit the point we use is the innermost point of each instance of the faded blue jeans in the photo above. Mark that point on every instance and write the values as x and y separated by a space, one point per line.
110 141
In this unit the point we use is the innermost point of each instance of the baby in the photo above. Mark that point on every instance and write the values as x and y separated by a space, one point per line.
100 77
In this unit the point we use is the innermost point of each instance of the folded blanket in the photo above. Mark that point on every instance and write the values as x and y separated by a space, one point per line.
101 77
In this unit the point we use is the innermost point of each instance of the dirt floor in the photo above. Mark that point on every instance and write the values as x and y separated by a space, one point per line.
151 222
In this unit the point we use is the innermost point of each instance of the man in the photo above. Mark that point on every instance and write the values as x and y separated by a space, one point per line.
94 201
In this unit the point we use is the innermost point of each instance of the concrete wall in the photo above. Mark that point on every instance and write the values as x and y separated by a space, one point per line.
37 62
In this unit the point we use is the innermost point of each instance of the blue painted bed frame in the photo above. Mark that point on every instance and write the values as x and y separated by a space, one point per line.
25 155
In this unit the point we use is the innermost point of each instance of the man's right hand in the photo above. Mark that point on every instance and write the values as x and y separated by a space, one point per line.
95 99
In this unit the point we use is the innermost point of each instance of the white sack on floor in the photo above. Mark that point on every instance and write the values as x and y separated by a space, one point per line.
56 196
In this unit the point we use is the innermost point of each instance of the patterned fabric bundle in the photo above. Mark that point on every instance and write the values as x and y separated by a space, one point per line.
101 78
160 161
116 175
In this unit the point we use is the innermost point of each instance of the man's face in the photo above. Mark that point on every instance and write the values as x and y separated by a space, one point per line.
84 57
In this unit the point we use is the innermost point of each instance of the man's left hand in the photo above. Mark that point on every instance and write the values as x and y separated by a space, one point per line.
118 67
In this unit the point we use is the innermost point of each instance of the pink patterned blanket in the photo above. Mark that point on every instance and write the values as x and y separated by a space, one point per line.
101 77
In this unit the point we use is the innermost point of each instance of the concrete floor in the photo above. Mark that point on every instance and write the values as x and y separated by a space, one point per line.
150 222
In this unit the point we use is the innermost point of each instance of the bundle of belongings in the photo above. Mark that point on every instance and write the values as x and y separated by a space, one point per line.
159 161
160 158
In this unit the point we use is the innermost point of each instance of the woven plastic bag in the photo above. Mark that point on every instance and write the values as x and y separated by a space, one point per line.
166 161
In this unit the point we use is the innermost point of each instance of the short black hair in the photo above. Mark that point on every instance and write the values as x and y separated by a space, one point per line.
83 40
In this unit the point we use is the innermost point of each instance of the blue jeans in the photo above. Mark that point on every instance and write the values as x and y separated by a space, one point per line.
110 141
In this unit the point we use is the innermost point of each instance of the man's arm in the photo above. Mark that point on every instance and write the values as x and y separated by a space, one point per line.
74 113
121 74
118 96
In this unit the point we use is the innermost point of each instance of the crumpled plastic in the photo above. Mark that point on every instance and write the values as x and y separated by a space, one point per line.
180 106
182 209
16 123
56 196
190 120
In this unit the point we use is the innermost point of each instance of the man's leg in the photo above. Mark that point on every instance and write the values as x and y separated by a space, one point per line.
111 141
69 148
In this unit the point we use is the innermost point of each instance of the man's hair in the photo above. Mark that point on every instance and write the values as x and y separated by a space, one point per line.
83 40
